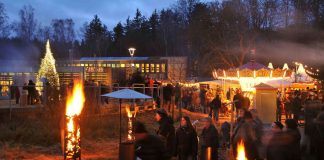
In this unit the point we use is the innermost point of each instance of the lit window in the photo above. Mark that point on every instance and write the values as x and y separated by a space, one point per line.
108 65
104 65
137 65
113 65
157 68
162 67
122 65
143 68
147 68
86 65
90 65
118 65
152 68
82 64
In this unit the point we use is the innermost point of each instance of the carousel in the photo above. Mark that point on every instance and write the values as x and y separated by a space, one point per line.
253 73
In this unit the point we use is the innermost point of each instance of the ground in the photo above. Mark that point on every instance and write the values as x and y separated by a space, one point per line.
99 140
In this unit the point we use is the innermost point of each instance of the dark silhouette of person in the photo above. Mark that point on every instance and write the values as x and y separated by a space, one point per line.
147 146
186 140
209 140
31 92
166 129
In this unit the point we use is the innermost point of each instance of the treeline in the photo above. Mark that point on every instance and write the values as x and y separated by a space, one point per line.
209 33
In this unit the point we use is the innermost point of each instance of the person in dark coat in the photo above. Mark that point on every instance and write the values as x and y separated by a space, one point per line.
216 104
17 94
247 132
278 111
147 146
318 134
186 144
209 140
166 130
294 138
31 92
167 95
276 147
225 131
238 100
296 106
202 97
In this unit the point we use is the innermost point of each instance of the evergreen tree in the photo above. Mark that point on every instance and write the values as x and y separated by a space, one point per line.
47 68
97 38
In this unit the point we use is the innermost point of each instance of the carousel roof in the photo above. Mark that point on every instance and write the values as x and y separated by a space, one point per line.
253 66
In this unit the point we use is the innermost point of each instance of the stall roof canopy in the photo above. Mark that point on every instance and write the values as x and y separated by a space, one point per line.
253 66
263 86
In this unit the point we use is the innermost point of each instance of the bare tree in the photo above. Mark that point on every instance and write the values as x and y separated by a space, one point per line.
26 27
4 26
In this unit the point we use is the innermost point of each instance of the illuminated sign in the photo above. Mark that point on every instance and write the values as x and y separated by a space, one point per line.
94 69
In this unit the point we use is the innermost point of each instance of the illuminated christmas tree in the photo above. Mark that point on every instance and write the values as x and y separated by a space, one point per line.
47 68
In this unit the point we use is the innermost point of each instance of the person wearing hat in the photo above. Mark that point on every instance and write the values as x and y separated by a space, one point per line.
147 146
166 129
209 140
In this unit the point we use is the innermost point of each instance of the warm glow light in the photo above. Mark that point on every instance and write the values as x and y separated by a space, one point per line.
248 83
240 151
74 104
130 116
285 66
301 69
74 107
270 65
131 51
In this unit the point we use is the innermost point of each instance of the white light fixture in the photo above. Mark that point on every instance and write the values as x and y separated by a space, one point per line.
131 51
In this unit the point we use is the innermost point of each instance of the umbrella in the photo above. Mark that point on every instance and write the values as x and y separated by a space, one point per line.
125 94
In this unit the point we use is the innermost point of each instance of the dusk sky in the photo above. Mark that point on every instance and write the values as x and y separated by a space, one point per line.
109 11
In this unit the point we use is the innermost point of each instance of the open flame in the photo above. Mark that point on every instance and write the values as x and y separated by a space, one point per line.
131 115
74 107
240 151
74 104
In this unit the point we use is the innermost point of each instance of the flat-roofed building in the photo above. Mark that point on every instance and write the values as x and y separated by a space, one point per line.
107 70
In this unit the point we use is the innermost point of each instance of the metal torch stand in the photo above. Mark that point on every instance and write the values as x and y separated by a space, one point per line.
127 151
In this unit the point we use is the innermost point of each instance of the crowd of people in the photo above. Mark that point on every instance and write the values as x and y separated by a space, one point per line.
280 142
182 142
295 104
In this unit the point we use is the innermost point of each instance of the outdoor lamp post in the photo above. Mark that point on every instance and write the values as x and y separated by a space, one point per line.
131 53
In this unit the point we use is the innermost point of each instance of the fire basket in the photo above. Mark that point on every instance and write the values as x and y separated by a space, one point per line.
72 145
71 128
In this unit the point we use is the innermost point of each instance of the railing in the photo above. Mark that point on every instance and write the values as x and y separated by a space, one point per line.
18 98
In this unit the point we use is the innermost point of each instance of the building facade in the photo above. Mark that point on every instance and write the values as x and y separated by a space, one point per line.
106 70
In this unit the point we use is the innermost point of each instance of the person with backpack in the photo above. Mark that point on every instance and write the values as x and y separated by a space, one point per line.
216 104
166 130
